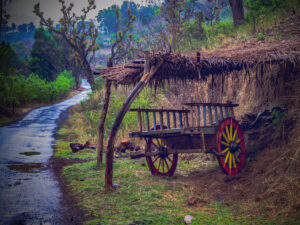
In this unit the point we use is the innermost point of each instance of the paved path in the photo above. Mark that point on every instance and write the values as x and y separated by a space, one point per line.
29 193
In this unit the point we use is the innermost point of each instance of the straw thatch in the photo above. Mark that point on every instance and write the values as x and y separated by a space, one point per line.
185 66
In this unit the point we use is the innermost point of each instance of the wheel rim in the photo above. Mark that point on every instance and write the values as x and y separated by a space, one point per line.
163 164
231 143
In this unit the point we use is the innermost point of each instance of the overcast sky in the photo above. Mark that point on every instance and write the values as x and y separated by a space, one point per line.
21 10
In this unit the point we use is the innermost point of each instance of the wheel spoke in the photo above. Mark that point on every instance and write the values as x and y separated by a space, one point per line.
167 164
225 150
226 158
238 141
233 160
155 144
156 158
231 130
227 133
234 135
224 143
229 160
169 159
159 162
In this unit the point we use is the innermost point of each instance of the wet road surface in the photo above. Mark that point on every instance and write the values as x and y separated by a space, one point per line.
29 193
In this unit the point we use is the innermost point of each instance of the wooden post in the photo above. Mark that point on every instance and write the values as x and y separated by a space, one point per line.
161 120
198 115
101 128
174 119
147 121
140 121
168 120
114 130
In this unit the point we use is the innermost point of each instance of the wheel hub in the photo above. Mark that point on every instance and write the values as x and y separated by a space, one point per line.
163 152
233 147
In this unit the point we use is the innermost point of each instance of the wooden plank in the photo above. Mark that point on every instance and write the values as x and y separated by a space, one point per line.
210 115
226 112
161 120
204 115
174 119
210 104
147 121
134 66
198 116
174 151
140 121
159 110
171 132
168 120
216 114
154 120
221 112
231 111
180 120
187 119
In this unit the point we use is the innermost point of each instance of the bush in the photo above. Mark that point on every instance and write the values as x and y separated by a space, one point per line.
19 91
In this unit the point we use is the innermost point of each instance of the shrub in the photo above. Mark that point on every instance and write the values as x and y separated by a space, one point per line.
16 90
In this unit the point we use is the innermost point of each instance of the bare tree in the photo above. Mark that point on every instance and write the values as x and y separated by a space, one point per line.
237 8
119 49
78 33
4 16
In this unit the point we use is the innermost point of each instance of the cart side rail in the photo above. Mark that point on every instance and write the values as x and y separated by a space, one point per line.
149 119
203 114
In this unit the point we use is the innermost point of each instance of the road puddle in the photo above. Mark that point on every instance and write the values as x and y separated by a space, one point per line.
26 168
30 153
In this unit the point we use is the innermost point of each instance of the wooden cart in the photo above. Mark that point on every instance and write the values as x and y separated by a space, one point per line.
202 128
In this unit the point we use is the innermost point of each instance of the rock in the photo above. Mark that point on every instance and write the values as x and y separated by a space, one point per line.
188 219
127 145
193 201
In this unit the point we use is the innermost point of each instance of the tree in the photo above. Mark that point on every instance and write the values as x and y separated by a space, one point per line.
82 39
13 27
46 60
4 16
175 13
237 11
22 28
21 50
31 27
118 50
8 59
107 19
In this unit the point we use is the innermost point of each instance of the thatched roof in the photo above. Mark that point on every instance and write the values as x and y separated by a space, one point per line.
185 66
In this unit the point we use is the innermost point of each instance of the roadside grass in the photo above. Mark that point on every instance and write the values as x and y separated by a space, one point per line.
144 199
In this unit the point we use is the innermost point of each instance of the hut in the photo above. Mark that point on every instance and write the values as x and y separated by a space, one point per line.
158 68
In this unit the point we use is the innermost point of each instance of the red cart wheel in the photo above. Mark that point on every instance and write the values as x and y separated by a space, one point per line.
162 164
231 143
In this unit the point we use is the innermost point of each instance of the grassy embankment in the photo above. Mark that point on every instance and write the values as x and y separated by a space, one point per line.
143 198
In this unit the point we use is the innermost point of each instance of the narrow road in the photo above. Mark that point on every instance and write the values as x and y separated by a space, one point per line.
29 193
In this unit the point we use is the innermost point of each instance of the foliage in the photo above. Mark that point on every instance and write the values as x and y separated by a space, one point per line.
260 9
261 37
80 34
19 90
46 59
8 59
21 50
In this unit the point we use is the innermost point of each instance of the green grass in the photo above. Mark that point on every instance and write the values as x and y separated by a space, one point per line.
144 199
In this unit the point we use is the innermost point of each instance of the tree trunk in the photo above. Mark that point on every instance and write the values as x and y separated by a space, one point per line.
89 72
101 128
130 98
237 9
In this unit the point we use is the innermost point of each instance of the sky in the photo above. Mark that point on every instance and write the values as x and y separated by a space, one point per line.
21 10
